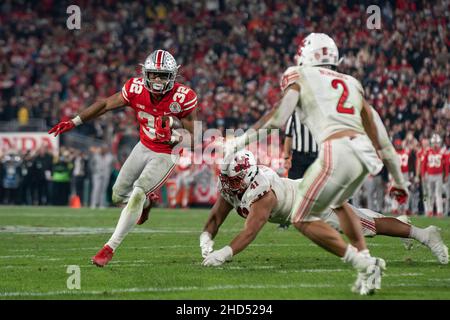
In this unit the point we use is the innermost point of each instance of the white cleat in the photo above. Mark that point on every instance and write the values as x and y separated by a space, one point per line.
356 288
436 245
369 280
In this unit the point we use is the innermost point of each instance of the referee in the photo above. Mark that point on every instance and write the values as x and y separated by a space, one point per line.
300 150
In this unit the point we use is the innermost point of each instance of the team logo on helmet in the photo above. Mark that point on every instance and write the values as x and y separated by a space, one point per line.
175 107
242 165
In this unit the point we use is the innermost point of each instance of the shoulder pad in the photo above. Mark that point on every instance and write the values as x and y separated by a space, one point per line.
290 76
132 87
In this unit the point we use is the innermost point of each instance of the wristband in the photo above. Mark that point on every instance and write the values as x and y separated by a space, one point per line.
77 121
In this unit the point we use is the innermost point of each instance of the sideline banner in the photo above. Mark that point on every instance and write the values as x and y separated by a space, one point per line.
23 141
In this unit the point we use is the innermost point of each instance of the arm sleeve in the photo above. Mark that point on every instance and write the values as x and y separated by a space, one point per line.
285 110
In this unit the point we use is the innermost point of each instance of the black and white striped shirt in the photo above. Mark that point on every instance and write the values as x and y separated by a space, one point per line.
302 140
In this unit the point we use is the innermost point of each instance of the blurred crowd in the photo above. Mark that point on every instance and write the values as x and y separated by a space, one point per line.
45 178
231 52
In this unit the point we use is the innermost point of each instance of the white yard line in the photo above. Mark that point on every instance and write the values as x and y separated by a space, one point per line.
448 279
412 274
314 270
414 260
170 289
81 230
18 256
14 229
194 288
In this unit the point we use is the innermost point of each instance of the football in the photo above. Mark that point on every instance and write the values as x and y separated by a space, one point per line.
174 122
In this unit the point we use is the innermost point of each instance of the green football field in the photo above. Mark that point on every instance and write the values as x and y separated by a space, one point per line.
161 260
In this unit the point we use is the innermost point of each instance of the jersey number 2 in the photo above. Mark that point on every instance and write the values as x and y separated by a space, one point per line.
340 107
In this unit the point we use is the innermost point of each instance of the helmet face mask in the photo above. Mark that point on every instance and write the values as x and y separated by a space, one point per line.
233 184
159 72
237 172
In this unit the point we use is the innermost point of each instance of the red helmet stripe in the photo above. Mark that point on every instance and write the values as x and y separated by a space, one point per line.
162 57
159 58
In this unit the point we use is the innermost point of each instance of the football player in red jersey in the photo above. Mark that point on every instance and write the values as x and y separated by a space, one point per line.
434 171
152 96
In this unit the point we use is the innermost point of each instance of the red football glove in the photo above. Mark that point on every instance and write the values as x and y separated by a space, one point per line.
399 194
62 127
162 134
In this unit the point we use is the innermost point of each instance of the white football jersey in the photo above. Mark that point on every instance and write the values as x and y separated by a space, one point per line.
329 101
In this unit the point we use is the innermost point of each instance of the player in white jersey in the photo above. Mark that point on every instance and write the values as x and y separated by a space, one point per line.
333 107
259 195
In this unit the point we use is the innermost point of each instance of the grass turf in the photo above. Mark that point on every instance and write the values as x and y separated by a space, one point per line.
161 260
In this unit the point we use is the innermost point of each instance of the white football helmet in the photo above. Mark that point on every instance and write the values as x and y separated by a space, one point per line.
317 49
159 72
436 140
237 171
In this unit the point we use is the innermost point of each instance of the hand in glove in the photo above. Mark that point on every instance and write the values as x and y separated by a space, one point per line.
62 127
206 244
399 193
163 134
217 258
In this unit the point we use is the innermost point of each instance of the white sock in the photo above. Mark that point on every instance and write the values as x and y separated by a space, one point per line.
128 218
350 253
359 260
418 234
146 203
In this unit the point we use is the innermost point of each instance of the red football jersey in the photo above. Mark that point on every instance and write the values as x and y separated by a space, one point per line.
404 159
180 101
435 161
